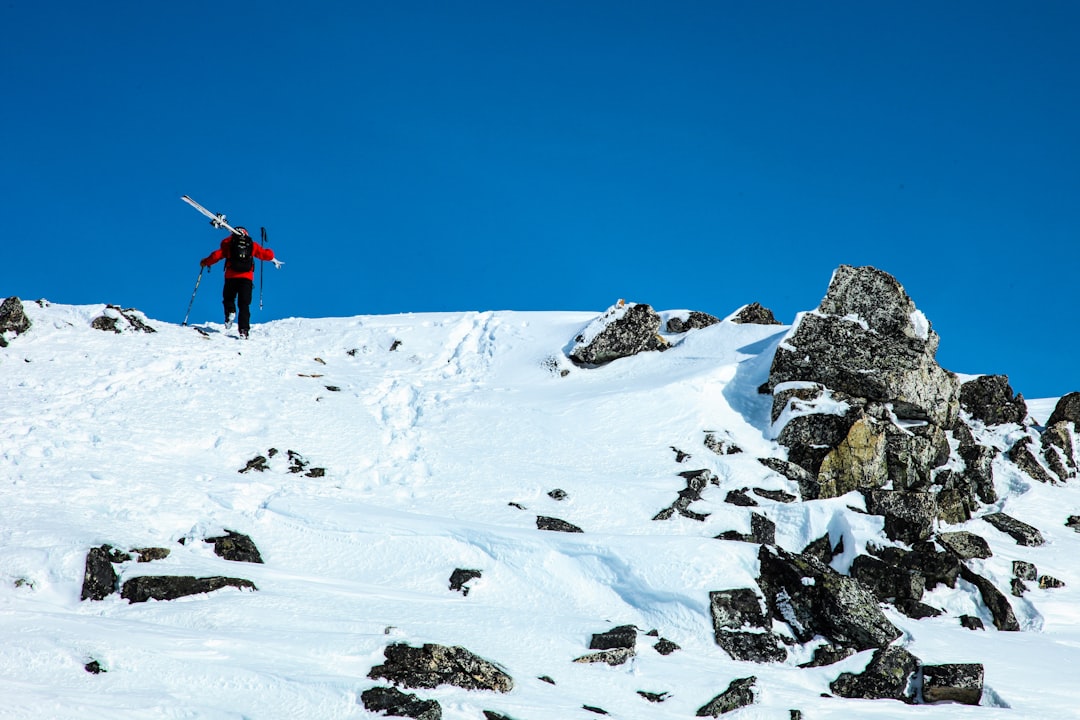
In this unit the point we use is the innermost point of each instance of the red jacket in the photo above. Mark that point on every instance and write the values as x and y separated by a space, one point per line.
222 253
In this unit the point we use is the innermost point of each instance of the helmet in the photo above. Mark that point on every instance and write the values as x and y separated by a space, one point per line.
241 229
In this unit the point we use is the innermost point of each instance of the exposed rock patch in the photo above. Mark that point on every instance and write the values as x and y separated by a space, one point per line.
171 587
891 673
624 330
13 319
236 547
117 320
755 314
393 702
432 665
990 399
694 321
739 694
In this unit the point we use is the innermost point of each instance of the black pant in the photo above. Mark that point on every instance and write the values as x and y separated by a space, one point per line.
238 289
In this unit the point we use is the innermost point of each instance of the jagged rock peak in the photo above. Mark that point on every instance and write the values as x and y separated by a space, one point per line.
876 298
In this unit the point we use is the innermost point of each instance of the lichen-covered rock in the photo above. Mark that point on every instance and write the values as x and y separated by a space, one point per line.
1020 531
813 599
990 399
857 462
740 626
171 587
890 674
739 694
1025 459
100 579
116 319
886 581
868 340
1066 410
1059 449
965 545
954 682
236 547
12 319
393 702
432 665
622 331
909 516
994 599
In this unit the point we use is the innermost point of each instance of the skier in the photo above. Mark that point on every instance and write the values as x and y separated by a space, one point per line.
239 251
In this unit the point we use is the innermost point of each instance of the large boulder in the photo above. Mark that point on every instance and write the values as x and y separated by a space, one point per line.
693 321
1066 410
12 319
739 694
393 702
625 329
890 674
868 340
171 587
953 682
754 314
813 599
432 665
741 628
990 399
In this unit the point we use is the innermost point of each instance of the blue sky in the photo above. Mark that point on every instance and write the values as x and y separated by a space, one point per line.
441 156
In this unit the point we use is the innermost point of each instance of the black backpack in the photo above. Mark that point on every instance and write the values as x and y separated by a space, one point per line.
240 254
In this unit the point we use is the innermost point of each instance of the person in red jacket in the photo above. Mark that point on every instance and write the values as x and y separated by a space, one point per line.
240 252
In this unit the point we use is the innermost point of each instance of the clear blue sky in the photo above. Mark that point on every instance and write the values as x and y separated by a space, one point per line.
548 155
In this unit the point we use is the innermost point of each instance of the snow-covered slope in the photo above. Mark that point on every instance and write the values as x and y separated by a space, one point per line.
443 437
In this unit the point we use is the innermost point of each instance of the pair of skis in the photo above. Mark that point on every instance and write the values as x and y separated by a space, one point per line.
218 220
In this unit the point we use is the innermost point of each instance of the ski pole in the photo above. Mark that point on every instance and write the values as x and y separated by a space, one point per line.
192 302
262 265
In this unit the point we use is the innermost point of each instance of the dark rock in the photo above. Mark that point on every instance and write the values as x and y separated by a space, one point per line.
665 646
978 465
759 647
887 582
1017 586
1059 450
116 319
828 655
623 331
1024 570
1023 533
594 709
736 609
762 530
1047 582
460 576
94 667
557 495
775 495
1066 410
432 665
809 438
696 482
680 456
1025 459
694 321
555 525
813 599
821 549
990 399
959 682
971 622
937 567
393 702
868 340
909 516
12 319
490 715
171 587
740 498
739 694
809 488
912 453
100 579
965 545
890 674
916 610
624 636
755 314
236 547
1073 523
995 601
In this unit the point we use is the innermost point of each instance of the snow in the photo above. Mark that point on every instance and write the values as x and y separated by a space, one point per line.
438 454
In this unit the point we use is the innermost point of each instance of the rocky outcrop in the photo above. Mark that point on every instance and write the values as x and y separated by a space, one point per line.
1018 530
543 522
696 482
171 587
236 547
890 674
432 665
100 579
741 628
990 399
13 319
739 694
813 599
868 340
117 320
460 578
995 601
393 702
624 330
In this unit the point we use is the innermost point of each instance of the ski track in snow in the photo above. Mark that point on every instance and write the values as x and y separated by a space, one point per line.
441 436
